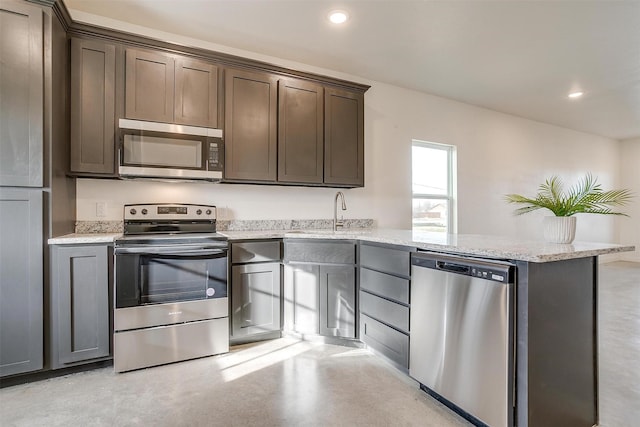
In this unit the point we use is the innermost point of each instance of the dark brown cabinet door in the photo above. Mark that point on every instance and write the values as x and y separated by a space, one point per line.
93 69
343 138
196 93
300 131
250 126
21 94
149 90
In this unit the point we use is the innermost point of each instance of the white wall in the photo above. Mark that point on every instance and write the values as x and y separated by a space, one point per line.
630 178
497 154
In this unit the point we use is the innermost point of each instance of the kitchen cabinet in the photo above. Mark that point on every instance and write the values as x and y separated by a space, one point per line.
343 138
300 132
196 102
301 294
251 126
320 288
21 89
384 301
172 89
316 136
149 86
37 197
93 143
337 301
81 289
21 281
255 290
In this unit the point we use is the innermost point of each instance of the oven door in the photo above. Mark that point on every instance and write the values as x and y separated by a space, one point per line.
157 275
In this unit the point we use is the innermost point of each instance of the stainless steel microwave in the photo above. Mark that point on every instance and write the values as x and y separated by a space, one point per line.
169 151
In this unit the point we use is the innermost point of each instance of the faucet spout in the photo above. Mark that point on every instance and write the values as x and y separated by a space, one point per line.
338 223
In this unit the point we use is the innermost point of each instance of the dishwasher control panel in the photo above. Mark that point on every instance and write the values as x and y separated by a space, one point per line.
487 274
496 271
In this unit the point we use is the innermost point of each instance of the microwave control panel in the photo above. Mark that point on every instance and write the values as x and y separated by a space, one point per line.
216 155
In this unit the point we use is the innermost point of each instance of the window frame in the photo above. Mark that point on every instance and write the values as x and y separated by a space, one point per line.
450 195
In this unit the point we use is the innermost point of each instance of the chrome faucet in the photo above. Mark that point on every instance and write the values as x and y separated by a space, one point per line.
338 223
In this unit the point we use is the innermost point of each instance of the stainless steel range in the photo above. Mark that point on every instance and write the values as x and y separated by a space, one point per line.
170 286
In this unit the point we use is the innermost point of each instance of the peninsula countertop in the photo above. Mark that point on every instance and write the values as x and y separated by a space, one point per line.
466 244
499 247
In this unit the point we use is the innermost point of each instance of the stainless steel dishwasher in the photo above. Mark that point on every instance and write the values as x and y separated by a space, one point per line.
461 344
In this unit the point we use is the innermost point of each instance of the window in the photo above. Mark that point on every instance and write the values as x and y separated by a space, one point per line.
433 187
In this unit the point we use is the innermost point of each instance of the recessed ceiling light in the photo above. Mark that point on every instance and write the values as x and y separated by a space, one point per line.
574 95
338 16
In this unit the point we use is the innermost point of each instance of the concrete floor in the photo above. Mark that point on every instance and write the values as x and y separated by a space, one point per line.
291 383
619 344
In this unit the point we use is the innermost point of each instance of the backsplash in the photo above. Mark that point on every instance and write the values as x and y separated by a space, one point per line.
289 224
92 227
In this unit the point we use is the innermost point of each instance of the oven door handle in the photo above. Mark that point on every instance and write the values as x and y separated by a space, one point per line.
173 251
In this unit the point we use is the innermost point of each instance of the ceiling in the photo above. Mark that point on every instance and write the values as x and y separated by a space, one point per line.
514 56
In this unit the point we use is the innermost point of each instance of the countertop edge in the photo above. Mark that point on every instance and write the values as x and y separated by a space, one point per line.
79 239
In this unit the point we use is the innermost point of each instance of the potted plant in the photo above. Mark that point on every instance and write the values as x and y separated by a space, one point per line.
586 196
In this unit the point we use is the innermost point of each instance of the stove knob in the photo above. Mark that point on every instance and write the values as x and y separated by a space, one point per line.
144 211
199 211
133 211
208 212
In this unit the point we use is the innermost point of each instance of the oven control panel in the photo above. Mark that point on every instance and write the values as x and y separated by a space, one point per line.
168 211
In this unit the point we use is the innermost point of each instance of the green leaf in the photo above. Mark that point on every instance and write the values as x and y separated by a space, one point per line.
586 196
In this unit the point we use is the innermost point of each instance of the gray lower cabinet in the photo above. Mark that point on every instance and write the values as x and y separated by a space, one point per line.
320 288
21 89
255 299
21 281
80 304
301 294
337 303
384 301
256 290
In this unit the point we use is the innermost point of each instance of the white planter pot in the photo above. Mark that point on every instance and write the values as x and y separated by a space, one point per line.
559 229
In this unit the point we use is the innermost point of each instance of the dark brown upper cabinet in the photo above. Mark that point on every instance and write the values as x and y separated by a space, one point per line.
196 88
149 86
166 88
343 138
250 126
93 69
300 132
21 95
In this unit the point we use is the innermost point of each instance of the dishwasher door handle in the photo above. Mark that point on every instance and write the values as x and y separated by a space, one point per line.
452 267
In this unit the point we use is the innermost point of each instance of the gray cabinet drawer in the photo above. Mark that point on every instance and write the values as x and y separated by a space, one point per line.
391 287
321 252
388 260
384 310
246 252
387 341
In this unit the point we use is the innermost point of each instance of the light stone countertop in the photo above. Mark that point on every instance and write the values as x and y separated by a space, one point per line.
465 244
84 239
498 247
